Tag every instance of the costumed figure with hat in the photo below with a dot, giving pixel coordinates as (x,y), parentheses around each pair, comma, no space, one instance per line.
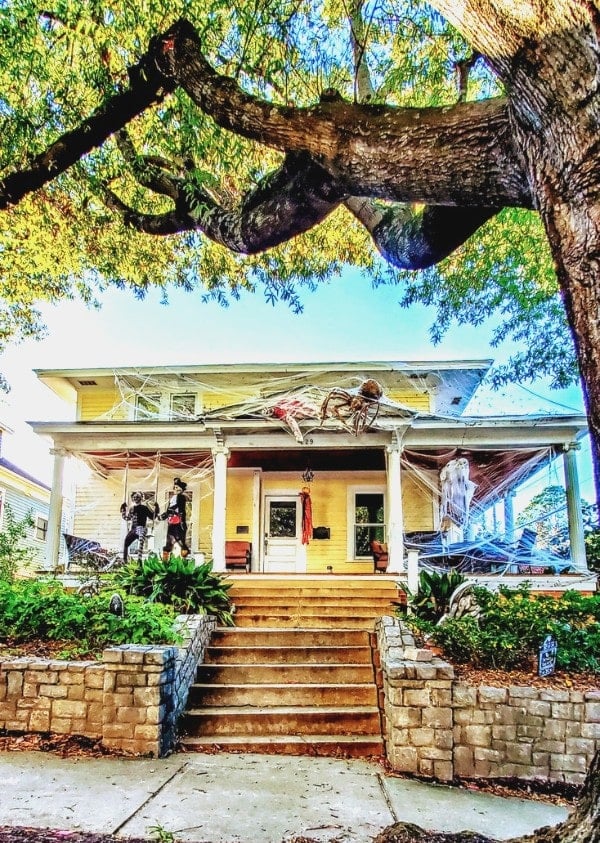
(138,514)
(176,518)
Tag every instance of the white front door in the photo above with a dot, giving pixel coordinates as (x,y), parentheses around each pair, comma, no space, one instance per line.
(283,552)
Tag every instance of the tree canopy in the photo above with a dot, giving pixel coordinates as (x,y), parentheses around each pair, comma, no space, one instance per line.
(73,238)
(269,143)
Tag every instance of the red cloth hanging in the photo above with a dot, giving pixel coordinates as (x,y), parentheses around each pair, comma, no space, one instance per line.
(307,524)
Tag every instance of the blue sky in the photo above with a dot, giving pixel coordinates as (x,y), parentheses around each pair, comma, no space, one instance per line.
(344,320)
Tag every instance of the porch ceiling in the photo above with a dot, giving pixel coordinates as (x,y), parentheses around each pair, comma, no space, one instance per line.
(357,459)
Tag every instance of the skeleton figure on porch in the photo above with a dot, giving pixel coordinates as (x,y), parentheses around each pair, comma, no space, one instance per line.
(176,518)
(355,409)
(138,514)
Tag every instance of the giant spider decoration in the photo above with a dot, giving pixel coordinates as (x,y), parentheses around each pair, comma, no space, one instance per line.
(356,410)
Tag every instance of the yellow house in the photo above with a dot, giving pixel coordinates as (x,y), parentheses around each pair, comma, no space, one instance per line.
(308,463)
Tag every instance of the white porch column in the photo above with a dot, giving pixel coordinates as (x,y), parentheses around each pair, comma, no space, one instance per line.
(395,538)
(219,456)
(55,509)
(509,516)
(574,507)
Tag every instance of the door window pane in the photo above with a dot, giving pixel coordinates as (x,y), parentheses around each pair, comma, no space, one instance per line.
(369,523)
(282,519)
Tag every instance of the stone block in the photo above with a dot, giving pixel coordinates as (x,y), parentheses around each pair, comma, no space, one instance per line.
(420,698)
(541,760)
(573,728)
(405,716)
(443,739)
(464,764)
(60,725)
(145,696)
(504,733)
(592,710)
(134,656)
(518,692)
(590,730)
(119,700)
(554,695)
(404,759)
(519,753)
(440,718)
(441,697)
(118,731)
(426,768)
(75,692)
(532,733)
(554,747)
(492,696)
(131,715)
(14,683)
(69,708)
(481,753)
(539,708)
(562,711)
(554,730)
(94,678)
(111,657)
(53,691)
(421,737)
(39,721)
(146,732)
(580,746)
(130,680)
(417,654)
(568,763)
(443,770)
(425,671)
(478,735)
(435,753)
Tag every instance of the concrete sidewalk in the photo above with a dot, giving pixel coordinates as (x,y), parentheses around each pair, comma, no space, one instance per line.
(245,799)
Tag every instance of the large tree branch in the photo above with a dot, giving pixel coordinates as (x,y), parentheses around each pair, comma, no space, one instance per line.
(417,239)
(456,156)
(147,86)
(293,199)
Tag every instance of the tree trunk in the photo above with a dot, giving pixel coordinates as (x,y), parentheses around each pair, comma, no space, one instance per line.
(582,826)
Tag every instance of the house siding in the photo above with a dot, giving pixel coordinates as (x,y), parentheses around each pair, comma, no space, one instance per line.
(94,403)
(24,501)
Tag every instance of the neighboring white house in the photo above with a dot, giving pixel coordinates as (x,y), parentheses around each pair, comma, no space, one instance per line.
(25,495)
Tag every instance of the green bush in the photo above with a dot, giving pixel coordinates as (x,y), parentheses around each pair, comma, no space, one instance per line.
(433,595)
(13,558)
(32,609)
(179,582)
(514,623)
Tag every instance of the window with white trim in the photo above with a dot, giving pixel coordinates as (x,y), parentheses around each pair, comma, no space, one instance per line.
(40,528)
(147,407)
(183,406)
(367,520)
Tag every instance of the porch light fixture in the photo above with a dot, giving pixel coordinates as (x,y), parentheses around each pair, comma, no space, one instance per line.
(308,474)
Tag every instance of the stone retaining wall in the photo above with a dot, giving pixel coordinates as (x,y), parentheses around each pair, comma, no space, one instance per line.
(130,701)
(436,726)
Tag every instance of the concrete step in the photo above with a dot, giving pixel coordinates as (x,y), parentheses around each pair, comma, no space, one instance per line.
(263,694)
(284,674)
(276,636)
(315,606)
(284,593)
(282,720)
(298,621)
(287,655)
(332,746)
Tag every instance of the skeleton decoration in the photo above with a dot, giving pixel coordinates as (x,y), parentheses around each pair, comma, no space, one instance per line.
(290,410)
(356,409)
(456,492)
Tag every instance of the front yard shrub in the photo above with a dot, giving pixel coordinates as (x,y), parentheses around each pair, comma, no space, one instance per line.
(13,557)
(433,595)
(180,583)
(513,624)
(35,609)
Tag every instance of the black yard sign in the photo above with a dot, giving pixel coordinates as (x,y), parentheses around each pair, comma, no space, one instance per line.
(547,656)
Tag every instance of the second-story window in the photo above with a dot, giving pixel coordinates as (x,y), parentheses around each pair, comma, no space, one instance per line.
(147,407)
(183,406)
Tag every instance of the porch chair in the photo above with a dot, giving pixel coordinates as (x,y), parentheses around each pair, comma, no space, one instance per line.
(238,555)
(380,556)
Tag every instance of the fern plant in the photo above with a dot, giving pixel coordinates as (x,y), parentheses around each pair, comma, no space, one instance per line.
(433,595)
(179,582)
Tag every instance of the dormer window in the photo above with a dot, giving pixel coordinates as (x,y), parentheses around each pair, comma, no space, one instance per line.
(147,407)
(183,406)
